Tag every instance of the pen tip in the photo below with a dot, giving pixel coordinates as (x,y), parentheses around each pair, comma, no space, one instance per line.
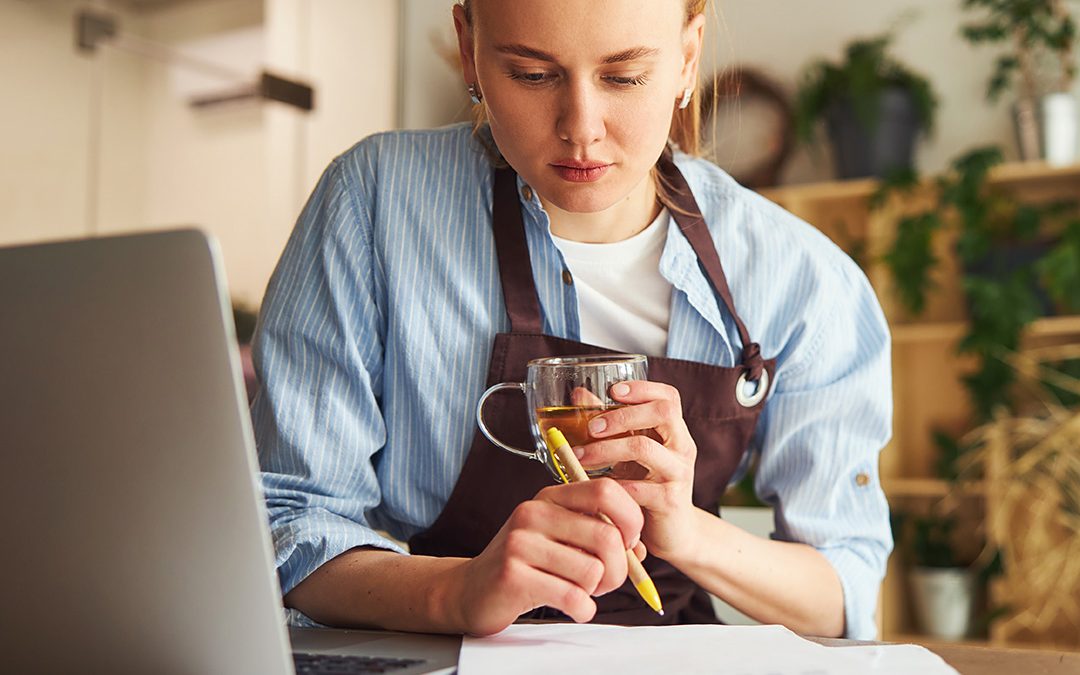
(661,612)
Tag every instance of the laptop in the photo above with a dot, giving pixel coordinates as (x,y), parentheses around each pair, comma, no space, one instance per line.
(135,537)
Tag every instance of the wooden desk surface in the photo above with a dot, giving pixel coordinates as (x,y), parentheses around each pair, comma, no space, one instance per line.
(971,660)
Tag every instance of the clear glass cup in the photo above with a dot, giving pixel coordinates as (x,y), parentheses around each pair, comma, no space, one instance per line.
(566,392)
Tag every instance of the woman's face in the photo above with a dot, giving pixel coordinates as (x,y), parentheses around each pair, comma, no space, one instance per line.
(580,94)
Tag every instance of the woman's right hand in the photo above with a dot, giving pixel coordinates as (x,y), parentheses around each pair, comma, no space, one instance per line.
(552,551)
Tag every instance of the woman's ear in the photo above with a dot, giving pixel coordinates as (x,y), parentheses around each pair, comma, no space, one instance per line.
(693,39)
(465,45)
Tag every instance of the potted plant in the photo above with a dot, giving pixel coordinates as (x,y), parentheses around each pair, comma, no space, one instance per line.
(1041,61)
(1004,253)
(943,588)
(873,107)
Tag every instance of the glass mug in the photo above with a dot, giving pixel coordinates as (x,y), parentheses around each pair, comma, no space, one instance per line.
(566,392)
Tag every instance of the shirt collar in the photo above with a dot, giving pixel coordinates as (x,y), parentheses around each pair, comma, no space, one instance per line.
(679,265)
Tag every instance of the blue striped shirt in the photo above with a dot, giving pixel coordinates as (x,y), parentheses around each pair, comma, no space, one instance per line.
(377,325)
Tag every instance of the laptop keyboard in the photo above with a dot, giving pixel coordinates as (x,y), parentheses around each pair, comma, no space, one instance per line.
(332,664)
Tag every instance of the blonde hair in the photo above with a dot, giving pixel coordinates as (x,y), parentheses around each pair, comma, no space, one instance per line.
(686,122)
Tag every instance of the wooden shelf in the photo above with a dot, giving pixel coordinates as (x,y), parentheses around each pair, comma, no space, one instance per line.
(1013,172)
(1003,174)
(931,642)
(948,331)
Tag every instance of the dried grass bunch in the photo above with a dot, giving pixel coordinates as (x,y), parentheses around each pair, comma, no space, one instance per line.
(1030,463)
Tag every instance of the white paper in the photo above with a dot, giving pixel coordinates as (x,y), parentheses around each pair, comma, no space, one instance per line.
(564,649)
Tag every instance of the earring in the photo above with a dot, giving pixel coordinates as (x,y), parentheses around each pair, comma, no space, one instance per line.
(688,93)
(474,94)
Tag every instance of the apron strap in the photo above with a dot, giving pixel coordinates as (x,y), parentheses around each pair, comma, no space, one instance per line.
(512,250)
(692,224)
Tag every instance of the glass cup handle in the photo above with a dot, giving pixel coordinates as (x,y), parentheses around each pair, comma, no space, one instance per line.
(487,432)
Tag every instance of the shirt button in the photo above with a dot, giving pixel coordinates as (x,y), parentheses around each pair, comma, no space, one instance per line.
(527,193)
(567,278)
(862,480)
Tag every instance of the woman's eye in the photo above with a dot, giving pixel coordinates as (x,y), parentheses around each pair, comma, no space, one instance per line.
(531,78)
(627,81)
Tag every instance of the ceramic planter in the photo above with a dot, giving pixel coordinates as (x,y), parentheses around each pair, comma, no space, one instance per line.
(1060,118)
(862,152)
(944,597)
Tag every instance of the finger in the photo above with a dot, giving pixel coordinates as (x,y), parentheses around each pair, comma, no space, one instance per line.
(662,462)
(583,398)
(555,558)
(664,415)
(640,551)
(642,391)
(601,495)
(570,528)
(543,589)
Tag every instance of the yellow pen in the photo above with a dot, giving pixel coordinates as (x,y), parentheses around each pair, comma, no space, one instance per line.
(565,456)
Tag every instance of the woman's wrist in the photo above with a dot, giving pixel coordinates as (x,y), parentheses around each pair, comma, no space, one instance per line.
(446,601)
(690,552)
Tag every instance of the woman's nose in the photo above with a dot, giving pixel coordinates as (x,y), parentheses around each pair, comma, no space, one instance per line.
(581,115)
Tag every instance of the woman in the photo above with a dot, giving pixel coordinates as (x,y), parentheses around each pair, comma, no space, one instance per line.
(427,263)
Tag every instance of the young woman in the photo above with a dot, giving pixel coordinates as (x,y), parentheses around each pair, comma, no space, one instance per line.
(573,218)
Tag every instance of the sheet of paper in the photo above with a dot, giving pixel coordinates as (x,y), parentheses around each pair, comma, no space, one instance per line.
(564,649)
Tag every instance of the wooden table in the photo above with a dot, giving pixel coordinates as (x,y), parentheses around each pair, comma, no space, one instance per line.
(972,660)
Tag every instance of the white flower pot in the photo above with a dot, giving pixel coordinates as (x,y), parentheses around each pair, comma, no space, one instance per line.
(943,600)
(1060,123)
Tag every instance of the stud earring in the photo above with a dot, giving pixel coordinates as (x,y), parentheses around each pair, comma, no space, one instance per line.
(474,94)
(688,93)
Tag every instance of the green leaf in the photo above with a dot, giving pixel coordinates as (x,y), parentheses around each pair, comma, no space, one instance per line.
(901,180)
(911,259)
(1059,270)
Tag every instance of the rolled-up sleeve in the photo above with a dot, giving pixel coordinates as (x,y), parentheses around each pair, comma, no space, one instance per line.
(318,355)
(820,437)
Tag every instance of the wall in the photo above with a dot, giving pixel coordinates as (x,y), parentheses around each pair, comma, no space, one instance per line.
(245,170)
(349,51)
(204,167)
(108,143)
(50,179)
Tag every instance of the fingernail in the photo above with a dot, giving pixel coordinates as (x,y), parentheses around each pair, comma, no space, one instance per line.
(579,452)
(597,425)
(634,543)
(621,389)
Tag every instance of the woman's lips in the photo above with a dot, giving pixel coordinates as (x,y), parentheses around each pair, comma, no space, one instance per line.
(581,172)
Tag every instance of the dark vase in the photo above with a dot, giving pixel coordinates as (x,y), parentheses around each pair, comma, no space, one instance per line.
(862,152)
(1004,260)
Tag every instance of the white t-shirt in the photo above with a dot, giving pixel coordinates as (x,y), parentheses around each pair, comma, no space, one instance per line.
(624,303)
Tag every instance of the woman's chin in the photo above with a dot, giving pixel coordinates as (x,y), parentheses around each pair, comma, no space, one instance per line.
(581,198)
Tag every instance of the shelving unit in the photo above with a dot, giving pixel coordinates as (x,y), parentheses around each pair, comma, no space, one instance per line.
(927,387)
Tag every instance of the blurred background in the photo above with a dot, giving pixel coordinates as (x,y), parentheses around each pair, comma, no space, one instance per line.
(934,140)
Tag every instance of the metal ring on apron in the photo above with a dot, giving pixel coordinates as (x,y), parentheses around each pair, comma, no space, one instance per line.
(759,393)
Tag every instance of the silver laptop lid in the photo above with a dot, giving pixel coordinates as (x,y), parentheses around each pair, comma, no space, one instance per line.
(134,531)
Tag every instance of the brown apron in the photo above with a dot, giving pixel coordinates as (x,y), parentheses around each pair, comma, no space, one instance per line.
(493,482)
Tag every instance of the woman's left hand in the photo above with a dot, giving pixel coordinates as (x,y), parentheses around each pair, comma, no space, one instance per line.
(655,464)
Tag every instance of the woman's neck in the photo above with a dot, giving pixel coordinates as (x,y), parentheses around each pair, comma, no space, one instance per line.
(620,221)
